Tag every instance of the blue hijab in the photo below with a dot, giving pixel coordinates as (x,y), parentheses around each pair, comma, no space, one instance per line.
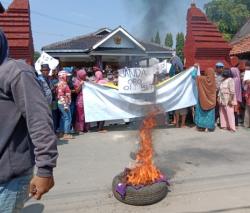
(3,47)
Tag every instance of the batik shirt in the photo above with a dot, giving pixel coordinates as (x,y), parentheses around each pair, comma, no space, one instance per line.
(64,94)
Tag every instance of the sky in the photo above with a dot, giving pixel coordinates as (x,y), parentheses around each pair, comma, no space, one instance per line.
(57,20)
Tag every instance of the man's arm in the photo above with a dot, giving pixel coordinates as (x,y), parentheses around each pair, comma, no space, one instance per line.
(33,106)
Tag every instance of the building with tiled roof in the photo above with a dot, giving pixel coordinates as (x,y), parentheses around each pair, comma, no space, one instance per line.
(241,42)
(204,43)
(15,22)
(106,46)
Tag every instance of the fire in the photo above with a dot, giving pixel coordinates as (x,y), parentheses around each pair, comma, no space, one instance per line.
(144,171)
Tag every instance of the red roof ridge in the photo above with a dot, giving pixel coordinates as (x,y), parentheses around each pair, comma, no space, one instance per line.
(204,43)
(15,22)
(19,5)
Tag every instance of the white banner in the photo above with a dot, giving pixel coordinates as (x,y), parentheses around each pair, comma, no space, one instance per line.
(247,75)
(135,80)
(163,67)
(104,103)
(46,59)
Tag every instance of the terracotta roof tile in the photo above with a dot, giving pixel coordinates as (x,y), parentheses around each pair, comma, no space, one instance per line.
(243,46)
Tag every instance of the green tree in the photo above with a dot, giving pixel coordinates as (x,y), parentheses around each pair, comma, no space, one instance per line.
(244,2)
(229,15)
(157,38)
(180,45)
(169,40)
(36,55)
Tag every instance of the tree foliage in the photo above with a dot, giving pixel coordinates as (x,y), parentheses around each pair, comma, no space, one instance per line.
(157,38)
(229,15)
(36,55)
(180,45)
(244,2)
(169,40)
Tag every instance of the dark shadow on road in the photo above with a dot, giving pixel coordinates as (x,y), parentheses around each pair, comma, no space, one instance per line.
(198,156)
(33,208)
(223,210)
(62,142)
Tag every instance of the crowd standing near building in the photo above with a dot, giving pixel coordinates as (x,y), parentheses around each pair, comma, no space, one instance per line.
(223,97)
(52,104)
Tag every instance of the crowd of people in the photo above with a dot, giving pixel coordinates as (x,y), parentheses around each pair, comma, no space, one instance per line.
(63,92)
(223,97)
(27,131)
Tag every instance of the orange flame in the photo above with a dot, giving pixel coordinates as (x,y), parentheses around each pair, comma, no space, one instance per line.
(144,171)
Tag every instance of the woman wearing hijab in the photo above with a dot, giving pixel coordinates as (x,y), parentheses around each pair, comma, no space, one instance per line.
(80,125)
(205,108)
(227,101)
(64,100)
(99,80)
(238,92)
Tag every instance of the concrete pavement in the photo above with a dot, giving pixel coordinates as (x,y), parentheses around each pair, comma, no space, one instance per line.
(209,172)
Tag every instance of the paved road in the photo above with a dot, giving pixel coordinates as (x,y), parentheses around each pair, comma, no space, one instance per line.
(210,172)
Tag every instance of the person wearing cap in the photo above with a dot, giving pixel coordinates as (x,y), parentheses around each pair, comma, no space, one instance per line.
(64,100)
(45,69)
(227,101)
(219,67)
(27,136)
(44,82)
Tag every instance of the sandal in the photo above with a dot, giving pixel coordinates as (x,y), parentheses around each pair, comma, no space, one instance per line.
(68,137)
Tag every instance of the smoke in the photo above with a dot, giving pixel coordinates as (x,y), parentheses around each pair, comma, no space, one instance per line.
(150,16)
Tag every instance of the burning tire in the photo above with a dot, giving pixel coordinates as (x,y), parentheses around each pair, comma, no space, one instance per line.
(146,195)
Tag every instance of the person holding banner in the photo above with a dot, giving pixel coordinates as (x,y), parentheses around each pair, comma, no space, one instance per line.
(205,108)
(80,125)
(100,80)
(176,68)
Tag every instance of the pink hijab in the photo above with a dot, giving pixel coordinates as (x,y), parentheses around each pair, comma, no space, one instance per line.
(99,78)
(81,75)
(236,77)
